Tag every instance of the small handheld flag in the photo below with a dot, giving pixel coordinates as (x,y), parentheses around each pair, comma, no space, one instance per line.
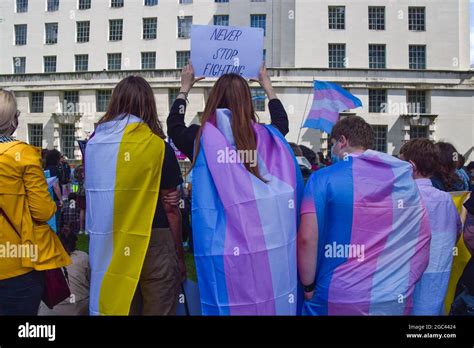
(329,100)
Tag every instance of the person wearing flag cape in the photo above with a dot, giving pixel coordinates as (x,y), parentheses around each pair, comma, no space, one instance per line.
(246,191)
(364,236)
(136,252)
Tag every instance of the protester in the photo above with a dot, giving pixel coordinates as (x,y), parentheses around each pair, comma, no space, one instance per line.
(135,232)
(446,177)
(311,156)
(70,215)
(81,196)
(462,173)
(245,198)
(464,297)
(296,149)
(364,234)
(78,278)
(470,172)
(25,208)
(64,176)
(52,165)
(445,224)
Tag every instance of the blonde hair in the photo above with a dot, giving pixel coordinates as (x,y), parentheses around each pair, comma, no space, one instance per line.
(8,110)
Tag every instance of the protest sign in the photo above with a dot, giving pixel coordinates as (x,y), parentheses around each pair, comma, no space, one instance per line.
(218,50)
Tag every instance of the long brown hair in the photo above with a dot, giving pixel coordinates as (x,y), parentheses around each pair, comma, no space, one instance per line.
(448,163)
(134,96)
(232,92)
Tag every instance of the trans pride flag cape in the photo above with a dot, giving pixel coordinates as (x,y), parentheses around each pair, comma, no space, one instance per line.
(244,229)
(374,236)
(123,173)
(328,101)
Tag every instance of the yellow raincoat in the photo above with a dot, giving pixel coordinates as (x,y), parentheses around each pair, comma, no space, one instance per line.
(25,208)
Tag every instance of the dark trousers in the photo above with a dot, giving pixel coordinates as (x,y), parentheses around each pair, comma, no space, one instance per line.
(21,295)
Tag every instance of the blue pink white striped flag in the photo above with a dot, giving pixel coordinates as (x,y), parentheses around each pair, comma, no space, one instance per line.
(244,229)
(329,100)
(374,236)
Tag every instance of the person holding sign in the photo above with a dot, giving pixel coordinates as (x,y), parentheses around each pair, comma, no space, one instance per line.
(246,190)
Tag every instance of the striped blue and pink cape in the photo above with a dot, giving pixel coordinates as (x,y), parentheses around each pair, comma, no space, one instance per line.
(329,100)
(245,229)
(374,236)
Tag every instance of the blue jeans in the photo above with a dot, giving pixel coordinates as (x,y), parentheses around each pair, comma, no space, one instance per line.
(21,295)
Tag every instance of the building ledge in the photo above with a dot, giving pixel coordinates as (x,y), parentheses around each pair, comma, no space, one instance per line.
(66,117)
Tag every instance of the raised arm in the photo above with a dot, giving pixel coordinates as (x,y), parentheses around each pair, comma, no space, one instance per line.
(181,135)
(278,114)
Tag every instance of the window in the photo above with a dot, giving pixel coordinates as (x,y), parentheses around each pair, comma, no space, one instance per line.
(102,99)
(149,28)
(37,99)
(52,6)
(417,57)
(376,18)
(380,138)
(259,21)
(83,31)
(258,98)
(185,1)
(84,4)
(416,18)
(148,60)
(416,101)
(116,3)
(337,55)
(82,62)
(114,61)
(21,6)
(337,17)
(172,95)
(20,34)
(71,102)
(67,139)
(151,2)
(115,29)
(377,100)
(377,56)
(35,134)
(19,65)
(182,58)
(220,1)
(184,27)
(419,132)
(221,20)
(51,33)
(49,64)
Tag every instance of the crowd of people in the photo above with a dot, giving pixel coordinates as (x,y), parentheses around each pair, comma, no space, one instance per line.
(275,228)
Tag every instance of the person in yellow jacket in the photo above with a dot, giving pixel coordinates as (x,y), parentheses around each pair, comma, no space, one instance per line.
(27,244)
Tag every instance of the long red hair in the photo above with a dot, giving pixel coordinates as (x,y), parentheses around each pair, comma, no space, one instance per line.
(231,91)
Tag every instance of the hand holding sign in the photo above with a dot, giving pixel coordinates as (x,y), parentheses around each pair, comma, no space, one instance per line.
(188,78)
(265,81)
(219,50)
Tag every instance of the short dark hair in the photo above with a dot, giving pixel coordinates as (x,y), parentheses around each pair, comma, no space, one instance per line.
(296,150)
(309,154)
(423,153)
(356,130)
(52,157)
